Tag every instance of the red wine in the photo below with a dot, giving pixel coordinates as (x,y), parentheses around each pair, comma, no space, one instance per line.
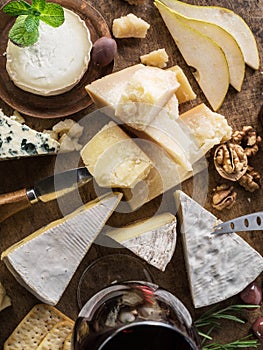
(147,337)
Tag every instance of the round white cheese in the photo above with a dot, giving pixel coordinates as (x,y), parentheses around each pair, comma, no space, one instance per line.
(56,62)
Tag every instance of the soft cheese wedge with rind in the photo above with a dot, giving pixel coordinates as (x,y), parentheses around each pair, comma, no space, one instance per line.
(228,20)
(19,140)
(45,261)
(153,240)
(114,158)
(201,53)
(219,266)
(144,95)
(56,62)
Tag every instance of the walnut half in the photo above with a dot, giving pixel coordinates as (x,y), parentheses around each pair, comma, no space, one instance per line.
(250,180)
(230,161)
(223,197)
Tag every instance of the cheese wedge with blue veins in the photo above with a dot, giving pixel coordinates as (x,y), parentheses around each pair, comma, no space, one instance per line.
(218,266)
(19,140)
(45,261)
(153,239)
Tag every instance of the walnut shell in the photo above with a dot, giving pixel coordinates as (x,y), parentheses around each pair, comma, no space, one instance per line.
(230,161)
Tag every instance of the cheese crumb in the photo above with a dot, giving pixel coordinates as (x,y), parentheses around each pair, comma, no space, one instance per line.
(130,26)
(5,301)
(157,58)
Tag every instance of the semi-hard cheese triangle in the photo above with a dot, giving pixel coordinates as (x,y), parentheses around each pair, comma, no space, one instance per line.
(45,261)
(219,266)
(153,240)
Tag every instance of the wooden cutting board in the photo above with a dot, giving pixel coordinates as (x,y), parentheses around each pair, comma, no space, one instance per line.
(239,108)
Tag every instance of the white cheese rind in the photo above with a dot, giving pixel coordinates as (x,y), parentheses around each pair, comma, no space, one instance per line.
(45,261)
(219,266)
(18,140)
(56,62)
(153,240)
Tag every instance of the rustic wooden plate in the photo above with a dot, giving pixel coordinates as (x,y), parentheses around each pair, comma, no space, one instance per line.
(69,102)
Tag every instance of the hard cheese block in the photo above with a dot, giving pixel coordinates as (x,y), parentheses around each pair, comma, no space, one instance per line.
(153,240)
(18,140)
(219,266)
(206,127)
(45,261)
(114,158)
(165,175)
(107,90)
(144,95)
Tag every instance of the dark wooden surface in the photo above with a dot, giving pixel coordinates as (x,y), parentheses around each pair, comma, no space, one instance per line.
(239,108)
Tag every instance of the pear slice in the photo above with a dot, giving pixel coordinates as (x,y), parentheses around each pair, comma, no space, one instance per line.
(228,20)
(228,44)
(200,52)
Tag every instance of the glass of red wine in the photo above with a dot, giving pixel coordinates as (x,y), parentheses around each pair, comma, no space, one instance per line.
(120,313)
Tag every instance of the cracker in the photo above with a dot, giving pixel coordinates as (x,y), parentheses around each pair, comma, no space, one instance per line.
(55,338)
(67,342)
(34,327)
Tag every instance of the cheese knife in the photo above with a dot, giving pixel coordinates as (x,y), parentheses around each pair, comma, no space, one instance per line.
(249,222)
(44,190)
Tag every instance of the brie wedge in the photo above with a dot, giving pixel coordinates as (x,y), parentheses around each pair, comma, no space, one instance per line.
(56,62)
(219,266)
(153,240)
(45,261)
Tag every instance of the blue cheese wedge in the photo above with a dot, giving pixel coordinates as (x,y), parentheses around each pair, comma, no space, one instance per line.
(45,261)
(56,62)
(19,140)
(153,240)
(219,266)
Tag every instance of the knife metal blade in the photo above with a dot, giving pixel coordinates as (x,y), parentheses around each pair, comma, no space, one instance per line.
(59,184)
(249,222)
(44,190)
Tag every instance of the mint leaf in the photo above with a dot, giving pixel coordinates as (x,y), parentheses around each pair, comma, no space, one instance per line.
(39,4)
(31,23)
(16,8)
(53,15)
(20,36)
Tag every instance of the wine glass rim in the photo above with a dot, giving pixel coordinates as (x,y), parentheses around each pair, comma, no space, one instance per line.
(146,271)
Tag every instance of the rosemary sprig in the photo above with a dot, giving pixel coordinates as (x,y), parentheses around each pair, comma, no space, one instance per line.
(210,320)
(244,343)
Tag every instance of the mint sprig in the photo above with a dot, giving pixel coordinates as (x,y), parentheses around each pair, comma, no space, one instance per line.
(25,29)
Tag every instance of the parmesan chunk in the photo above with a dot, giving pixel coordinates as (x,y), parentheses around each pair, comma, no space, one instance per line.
(144,95)
(157,58)
(130,26)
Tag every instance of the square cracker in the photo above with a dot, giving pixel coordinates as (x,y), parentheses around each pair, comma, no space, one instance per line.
(34,327)
(67,342)
(56,337)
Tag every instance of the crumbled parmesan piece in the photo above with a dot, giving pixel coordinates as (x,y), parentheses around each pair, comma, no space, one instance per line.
(157,58)
(67,132)
(130,26)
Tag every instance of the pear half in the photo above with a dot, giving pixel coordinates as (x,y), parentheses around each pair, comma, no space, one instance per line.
(228,20)
(201,53)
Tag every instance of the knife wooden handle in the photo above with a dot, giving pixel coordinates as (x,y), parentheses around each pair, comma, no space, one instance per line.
(13,202)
